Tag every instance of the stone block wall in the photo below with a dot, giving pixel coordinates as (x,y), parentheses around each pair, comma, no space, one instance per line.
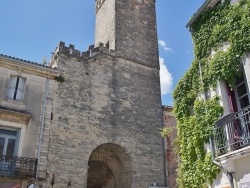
(130,29)
(105,99)
(105,22)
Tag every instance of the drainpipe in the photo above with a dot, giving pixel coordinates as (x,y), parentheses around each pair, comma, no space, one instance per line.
(229,174)
(165,162)
(42,125)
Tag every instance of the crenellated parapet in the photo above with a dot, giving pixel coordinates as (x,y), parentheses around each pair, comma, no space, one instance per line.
(98,4)
(92,51)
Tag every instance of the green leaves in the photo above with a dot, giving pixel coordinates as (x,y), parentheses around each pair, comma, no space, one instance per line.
(214,28)
(165,131)
(196,168)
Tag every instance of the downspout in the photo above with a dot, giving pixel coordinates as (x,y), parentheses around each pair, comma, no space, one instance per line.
(42,125)
(165,162)
(229,174)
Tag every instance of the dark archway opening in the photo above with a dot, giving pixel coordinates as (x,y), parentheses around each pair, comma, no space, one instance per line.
(109,167)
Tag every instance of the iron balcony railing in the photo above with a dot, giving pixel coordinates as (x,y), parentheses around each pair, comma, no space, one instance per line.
(17,167)
(232,132)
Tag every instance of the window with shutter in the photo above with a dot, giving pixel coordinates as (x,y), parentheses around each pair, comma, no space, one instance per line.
(12,86)
(16,88)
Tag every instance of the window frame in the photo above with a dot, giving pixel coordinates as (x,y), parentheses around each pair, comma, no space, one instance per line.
(18,93)
(17,137)
(237,97)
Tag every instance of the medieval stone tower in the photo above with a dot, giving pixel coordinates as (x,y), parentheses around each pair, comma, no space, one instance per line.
(107,110)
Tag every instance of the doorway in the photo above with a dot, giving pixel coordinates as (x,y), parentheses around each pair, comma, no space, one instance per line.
(109,166)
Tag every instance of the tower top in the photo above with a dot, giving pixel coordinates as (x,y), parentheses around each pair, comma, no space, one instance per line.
(129,28)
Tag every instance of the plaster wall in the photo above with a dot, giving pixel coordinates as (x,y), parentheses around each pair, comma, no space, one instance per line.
(235,1)
(242,168)
(32,102)
(32,106)
(221,181)
(221,90)
(246,65)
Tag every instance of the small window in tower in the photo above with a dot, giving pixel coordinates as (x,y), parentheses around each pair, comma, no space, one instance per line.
(16,88)
(107,45)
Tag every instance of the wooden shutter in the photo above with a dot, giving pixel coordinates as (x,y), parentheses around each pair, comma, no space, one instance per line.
(12,86)
(20,89)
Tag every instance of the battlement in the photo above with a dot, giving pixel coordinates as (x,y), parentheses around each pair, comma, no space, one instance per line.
(98,4)
(70,51)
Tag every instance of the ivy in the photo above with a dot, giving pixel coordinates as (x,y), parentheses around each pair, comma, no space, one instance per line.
(213,29)
(60,78)
(165,131)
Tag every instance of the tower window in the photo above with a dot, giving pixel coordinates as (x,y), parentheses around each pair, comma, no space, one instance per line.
(107,45)
(16,88)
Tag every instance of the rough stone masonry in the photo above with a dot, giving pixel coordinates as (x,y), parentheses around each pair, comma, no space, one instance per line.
(107,112)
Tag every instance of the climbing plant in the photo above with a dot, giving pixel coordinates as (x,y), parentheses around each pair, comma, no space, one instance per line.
(217,27)
(165,131)
(60,78)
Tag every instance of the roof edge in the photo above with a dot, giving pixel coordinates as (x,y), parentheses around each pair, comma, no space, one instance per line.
(197,14)
(31,65)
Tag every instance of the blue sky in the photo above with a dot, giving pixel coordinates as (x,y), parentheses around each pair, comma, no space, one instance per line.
(32,29)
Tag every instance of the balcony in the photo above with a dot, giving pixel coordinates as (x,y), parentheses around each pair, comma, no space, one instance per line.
(232,133)
(17,167)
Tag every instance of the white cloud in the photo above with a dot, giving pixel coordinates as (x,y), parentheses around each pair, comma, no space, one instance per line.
(164,46)
(165,77)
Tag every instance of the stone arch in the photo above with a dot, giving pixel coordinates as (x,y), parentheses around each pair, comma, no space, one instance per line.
(109,167)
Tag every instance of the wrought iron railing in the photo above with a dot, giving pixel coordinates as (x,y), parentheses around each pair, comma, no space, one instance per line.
(232,132)
(17,167)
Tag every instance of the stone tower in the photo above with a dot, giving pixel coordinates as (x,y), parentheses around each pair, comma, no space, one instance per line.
(129,27)
(107,111)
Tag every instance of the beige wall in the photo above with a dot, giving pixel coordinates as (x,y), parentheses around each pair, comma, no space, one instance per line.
(242,167)
(32,102)
(25,116)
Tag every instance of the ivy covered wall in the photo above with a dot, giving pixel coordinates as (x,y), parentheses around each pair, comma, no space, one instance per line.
(196,117)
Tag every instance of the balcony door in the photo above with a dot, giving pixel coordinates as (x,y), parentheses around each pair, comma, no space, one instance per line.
(239,133)
(8,142)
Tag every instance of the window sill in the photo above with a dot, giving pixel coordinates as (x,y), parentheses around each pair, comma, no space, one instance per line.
(13,104)
(18,102)
(21,102)
(14,116)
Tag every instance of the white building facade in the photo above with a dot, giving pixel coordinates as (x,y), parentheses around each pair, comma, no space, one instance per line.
(231,141)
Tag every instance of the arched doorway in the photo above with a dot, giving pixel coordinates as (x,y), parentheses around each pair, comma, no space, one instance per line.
(109,167)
